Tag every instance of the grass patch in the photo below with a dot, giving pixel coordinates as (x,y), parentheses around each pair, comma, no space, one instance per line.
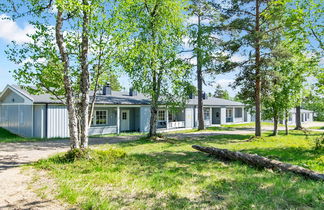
(317,128)
(7,137)
(120,134)
(172,175)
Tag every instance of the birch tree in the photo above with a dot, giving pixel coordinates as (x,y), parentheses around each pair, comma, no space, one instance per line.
(70,50)
(153,32)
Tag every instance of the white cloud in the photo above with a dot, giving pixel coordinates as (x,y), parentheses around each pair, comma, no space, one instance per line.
(11,31)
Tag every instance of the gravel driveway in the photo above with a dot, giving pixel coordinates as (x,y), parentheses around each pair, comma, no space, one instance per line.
(14,192)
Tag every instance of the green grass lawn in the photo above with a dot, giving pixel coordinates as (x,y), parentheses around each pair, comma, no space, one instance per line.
(172,175)
(6,136)
(318,127)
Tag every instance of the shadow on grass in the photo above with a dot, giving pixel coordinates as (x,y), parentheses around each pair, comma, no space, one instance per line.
(188,139)
(166,173)
(285,154)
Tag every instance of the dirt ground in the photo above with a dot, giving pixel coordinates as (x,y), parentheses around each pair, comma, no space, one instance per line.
(14,188)
(14,184)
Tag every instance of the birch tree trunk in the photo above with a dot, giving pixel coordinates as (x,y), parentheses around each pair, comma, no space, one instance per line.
(153,119)
(73,127)
(85,77)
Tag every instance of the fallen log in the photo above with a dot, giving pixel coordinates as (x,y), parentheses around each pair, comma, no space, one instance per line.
(259,161)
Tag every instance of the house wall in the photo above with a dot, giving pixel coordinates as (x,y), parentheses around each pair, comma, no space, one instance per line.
(12,97)
(57,122)
(17,119)
(189,119)
(145,114)
(16,113)
(111,127)
(40,121)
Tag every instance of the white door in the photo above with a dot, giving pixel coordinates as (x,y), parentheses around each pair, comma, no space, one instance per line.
(124,120)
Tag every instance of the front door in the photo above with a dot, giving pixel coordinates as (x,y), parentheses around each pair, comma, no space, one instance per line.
(124,122)
(216,116)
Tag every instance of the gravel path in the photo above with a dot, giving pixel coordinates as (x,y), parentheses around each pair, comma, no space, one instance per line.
(14,192)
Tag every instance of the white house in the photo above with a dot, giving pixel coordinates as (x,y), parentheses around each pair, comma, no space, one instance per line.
(43,117)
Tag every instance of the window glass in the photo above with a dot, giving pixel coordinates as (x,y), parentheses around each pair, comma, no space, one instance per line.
(124,116)
(101,118)
(238,112)
(172,116)
(161,115)
(207,114)
(229,113)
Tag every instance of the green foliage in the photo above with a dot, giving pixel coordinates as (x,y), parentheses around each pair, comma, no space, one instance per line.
(286,79)
(221,93)
(151,33)
(153,175)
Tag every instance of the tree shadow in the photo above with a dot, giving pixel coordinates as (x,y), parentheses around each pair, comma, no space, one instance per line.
(247,187)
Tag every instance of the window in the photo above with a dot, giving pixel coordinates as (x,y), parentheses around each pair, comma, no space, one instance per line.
(100,118)
(161,115)
(207,114)
(238,112)
(172,116)
(124,116)
(229,113)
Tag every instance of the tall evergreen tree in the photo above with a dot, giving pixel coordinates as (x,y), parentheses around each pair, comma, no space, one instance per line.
(205,44)
(57,61)
(247,24)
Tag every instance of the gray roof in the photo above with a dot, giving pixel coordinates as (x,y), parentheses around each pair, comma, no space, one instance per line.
(123,98)
(211,101)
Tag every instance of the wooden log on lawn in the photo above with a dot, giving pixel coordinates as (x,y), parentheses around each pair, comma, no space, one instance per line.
(259,161)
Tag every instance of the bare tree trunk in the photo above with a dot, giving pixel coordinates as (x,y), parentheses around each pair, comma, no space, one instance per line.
(286,122)
(73,129)
(85,78)
(275,125)
(201,124)
(259,161)
(257,73)
(153,119)
(298,119)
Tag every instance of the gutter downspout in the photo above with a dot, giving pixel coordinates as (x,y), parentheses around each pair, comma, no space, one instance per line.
(46,121)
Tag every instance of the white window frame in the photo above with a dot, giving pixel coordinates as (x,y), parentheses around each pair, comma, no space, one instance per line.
(229,113)
(159,115)
(94,118)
